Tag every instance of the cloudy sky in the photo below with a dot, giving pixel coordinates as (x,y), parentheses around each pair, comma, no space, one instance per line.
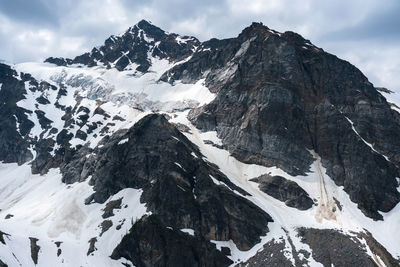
(364,32)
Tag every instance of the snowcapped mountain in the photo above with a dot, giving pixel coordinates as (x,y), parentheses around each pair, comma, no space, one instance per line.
(156,149)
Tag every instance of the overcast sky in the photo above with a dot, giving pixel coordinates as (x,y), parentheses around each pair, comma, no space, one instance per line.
(364,32)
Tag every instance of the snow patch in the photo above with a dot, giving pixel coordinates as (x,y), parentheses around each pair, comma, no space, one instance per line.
(188,231)
(123,141)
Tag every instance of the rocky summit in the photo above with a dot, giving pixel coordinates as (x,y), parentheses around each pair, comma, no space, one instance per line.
(156,149)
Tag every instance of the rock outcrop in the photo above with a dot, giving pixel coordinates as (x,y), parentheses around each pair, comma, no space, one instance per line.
(151,243)
(14,123)
(331,247)
(284,190)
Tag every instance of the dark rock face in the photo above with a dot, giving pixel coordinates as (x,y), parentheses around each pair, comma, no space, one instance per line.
(285,190)
(35,248)
(331,247)
(110,207)
(282,97)
(273,254)
(13,144)
(151,243)
(59,61)
(92,246)
(177,186)
(16,140)
(2,234)
(105,225)
(133,47)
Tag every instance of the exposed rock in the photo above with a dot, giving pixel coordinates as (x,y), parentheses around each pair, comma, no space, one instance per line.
(118,227)
(105,225)
(2,234)
(151,243)
(81,135)
(43,160)
(110,206)
(34,249)
(59,251)
(92,247)
(44,122)
(102,112)
(284,190)
(338,204)
(118,118)
(78,165)
(331,247)
(59,61)
(272,254)
(13,143)
(42,100)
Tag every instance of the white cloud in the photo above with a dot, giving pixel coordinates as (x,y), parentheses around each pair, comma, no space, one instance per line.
(379,64)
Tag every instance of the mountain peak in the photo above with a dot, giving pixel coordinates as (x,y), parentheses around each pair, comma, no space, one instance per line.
(145,23)
(259,29)
(148,28)
(132,49)
(256,29)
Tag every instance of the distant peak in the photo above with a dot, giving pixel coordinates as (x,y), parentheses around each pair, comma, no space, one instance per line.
(256,25)
(148,28)
(256,28)
(144,23)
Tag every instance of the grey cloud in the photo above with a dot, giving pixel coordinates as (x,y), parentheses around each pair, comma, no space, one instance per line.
(381,25)
(37,12)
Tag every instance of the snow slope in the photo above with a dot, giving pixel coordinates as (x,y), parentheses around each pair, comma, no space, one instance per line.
(45,208)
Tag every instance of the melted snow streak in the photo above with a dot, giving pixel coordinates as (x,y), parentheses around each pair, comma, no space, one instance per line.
(43,207)
(325,215)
